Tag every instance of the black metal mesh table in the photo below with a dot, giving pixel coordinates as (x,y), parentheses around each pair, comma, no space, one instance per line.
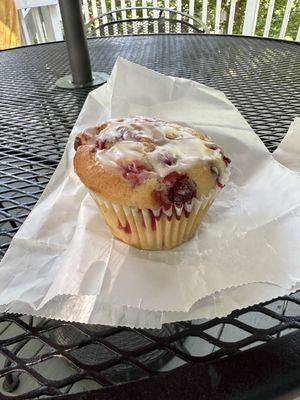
(262,78)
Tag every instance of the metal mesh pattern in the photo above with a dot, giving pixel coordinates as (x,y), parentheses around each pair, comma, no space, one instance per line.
(63,357)
(260,77)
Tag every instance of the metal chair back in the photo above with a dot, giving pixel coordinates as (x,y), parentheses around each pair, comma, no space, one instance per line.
(144,20)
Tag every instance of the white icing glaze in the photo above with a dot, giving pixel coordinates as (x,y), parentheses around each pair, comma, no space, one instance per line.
(170,144)
(188,151)
(224,178)
(122,150)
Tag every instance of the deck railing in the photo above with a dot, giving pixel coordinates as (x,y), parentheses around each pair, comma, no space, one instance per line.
(41,22)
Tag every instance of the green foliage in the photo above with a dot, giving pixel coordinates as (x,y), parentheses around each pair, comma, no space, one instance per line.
(239,17)
(277,19)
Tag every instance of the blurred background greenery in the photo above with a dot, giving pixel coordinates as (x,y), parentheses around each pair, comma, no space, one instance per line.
(277,18)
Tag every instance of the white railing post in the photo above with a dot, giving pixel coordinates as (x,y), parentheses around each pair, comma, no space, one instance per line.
(103,11)
(25,37)
(298,35)
(285,19)
(52,23)
(167,16)
(155,15)
(35,12)
(86,13)
(145,15)
(133,13)
(133,5)
(114,15)
(251,12)
(204,11)
(231,16)
(269,18)
(95,15)
(191,12)
(218,16)
(123,13)
(179,17)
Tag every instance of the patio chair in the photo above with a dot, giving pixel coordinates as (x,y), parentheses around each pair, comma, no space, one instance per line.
(144,20)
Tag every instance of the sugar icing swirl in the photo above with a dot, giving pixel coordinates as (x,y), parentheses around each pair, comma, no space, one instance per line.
(156,146)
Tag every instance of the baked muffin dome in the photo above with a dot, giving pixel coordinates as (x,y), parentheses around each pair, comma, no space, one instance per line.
(149,163)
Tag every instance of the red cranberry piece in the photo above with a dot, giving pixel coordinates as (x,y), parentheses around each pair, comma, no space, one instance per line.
(212,146)
(170,178)
(133,178)
(100,144)
(77,142)
(182,191)
(221,186)
(226,160)
(167,158)
(135,172)
(153,221)
(125,228)
(135,166)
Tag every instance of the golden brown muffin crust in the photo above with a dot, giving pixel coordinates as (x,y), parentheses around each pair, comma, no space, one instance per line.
(147,163)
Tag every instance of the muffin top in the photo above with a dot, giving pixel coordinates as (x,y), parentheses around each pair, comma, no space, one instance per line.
(149,163)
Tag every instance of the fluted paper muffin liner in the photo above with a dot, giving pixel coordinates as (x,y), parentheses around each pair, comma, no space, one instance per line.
(154,229)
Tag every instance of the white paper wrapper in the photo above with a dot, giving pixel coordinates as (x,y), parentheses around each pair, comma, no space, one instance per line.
(63,263)
(171,232)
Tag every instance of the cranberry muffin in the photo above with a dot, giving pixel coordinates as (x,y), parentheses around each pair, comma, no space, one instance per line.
(152,180)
